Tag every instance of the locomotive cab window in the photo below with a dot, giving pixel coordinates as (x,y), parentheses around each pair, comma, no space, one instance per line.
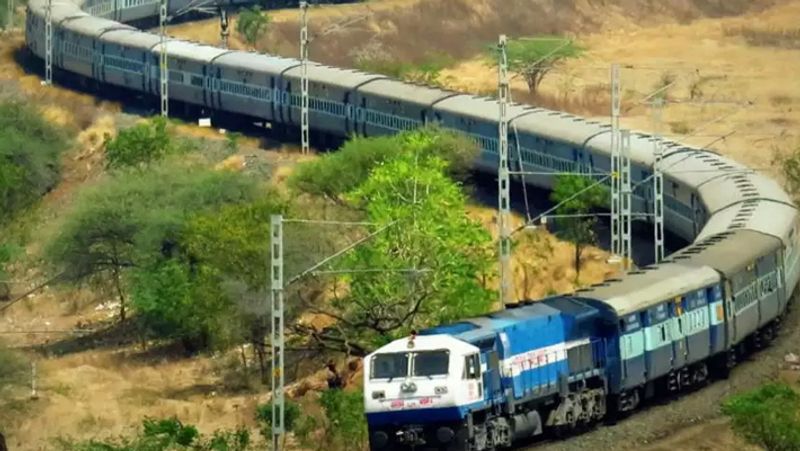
(472,367)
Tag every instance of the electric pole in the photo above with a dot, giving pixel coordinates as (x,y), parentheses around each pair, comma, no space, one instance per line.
(48,33)
(276,300)
(223,27)
(658,183)
(616,237)
(503,188)
(162,61)
(304,123)
(626,192)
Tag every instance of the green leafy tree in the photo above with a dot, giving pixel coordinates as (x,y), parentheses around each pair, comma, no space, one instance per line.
(427,72)
(141,144)
(135,219)
(232,247)
(292,416)
(789,164)
(578,195)
(345,422)
(533,58)
(176,300)
(30,151)
(7,252)
(768,417)
(252,24)
(432,255)
(340,172)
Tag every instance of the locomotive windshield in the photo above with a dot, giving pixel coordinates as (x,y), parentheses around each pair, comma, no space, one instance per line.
(431,363)
(401,364)
(388,366)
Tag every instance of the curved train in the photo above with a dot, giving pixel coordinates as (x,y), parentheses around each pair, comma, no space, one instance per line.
(564,361)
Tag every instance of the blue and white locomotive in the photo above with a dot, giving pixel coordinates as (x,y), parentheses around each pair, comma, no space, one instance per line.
(569,361)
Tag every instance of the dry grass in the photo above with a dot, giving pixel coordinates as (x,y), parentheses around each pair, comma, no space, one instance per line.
(593,100)
(767,37)
(542,264)
(409,29)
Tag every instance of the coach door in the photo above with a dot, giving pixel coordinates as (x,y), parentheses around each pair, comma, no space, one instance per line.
(730,322)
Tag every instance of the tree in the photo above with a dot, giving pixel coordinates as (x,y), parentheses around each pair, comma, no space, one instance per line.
(578,195)
(135,219)
(789,164)
(768,417)
(140,145)
(30,151)
(292,414)
(176,300)
(345,422)
(220,280)
(252,24)
(7,252)
(534,58)
(431,255)
(338,173)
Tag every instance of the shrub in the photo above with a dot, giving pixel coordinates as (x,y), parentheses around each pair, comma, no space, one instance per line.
(135,219)
(165,434)
(30,150)
(252,23)
(13,368)
(141,144)
(264,417)
(341,172)
(768,417)
(346,425)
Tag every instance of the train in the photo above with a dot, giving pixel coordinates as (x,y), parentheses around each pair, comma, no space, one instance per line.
(551,365)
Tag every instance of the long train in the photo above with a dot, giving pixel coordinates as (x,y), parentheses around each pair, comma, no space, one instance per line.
(485,382)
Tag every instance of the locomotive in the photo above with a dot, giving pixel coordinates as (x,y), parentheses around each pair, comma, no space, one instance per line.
(569,361)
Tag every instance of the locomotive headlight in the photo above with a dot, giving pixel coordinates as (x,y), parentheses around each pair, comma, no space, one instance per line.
(440,390)
(380,394)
